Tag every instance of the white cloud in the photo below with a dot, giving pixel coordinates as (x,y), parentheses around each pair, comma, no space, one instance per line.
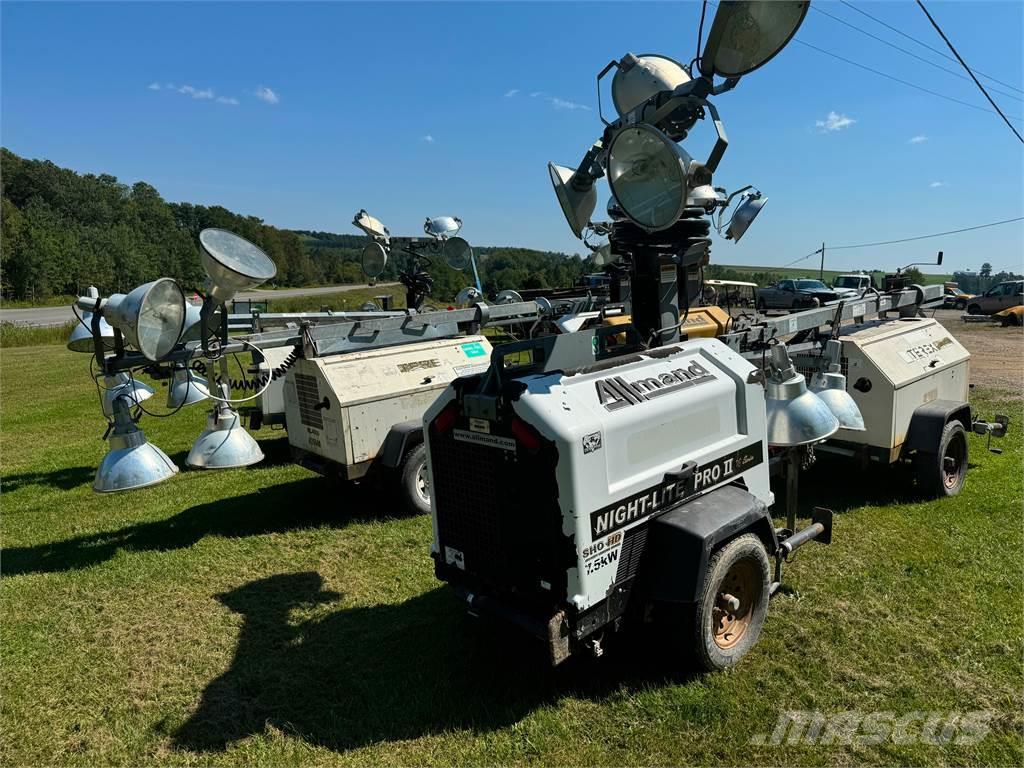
(937,184)
(558,103)
(834,122)
(263,93)
(428,139)
(510,93)
(535,94)
(227,100)
(918,140)
(154,86)
(195,93)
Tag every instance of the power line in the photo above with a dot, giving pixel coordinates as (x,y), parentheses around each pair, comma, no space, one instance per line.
(795,261)
(920,237)
(969,72)
(904,50)
(919,42)
(896,79)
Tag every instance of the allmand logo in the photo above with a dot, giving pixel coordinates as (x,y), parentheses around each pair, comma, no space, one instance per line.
(616,392)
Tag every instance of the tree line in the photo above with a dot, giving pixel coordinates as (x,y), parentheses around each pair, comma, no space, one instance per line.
(63,231)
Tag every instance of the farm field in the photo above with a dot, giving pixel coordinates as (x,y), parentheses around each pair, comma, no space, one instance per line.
(269,616)
(810,270)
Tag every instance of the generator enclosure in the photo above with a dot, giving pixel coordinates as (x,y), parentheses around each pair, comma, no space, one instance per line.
(892,368)
(542,496)
(340,408)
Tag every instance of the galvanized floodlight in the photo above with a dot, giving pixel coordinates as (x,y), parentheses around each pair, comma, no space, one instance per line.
(467,297)
(648,174)
(457,253)
(508,297)
(186,388)
(122,385)
(442,227)
(151,317)
(747,34)
(81,339)
(132,461)
(576,194)
(637,78)
(830,387)
(371,226)
(795,415)
(374,259)
(224,444)
(744,215)
(232,264)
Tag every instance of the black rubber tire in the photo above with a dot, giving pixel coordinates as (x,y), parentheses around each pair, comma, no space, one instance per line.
(973,309)
(934,479)
(411,479)
(707,653)
(762,306)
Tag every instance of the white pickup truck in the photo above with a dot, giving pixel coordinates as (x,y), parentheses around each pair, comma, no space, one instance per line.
(852,286)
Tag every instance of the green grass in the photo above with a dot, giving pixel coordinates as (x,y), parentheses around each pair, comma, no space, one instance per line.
(337,302)
(15,335)
(811,271)
(267,616)
(49,301)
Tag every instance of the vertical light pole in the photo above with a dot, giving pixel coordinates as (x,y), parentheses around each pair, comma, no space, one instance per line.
(821,270)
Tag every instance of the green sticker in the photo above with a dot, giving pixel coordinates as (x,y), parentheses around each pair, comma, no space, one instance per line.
(474,349)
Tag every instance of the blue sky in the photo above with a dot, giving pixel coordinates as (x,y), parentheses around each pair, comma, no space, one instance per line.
(303,113)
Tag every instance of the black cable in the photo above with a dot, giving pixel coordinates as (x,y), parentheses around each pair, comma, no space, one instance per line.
(904,50)
(795,261)
(255,384)
(896,79)
(923,237)
(700,33)
(969,72)
(919,42)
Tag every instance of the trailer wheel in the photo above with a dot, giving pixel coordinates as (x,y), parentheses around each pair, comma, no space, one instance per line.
(731,610)
(414,480)
(943,473)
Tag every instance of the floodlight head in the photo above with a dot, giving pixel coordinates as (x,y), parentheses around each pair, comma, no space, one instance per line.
(648,174)
(457,253)
(467,297)
(194,322)
(232,264)
(747,34)
(224,444)
(132,461)
(637,78)
(744,215)
(186,388)
(121,385)
(830,387)
(442,227)
(508,297)
(374,259)
(795,415)
(576,195)
(151,317)
(371,226)
(81,339)
(603,255)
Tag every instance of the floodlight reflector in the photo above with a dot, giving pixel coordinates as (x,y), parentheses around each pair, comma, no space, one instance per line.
(747,34)
(648,74)
(744,215)
(81,339)
(467,297)
(132,461)
(121,385)
(186,388)
(648,174)
(457,253)
(374,259)
(508,297)
(795,415)
(232,263)
(224,444)
(371,225)
(576,194)
(151,317)
(442,226)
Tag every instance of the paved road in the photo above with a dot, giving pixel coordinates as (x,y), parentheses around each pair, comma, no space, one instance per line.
(61,315)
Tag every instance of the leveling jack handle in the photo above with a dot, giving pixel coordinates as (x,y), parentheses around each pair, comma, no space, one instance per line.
(819,530)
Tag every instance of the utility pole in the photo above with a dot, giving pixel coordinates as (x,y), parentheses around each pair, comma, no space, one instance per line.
(821,271)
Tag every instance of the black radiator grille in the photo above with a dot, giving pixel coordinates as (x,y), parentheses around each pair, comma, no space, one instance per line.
(633,547)
(308,395)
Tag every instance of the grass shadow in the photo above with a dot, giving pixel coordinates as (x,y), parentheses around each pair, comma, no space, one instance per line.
(63,479)
(381,673)
(280,508)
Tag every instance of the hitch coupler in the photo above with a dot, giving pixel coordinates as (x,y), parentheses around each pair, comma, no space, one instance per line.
(819,530)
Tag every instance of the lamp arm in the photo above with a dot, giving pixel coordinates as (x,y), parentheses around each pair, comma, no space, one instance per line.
(721,143)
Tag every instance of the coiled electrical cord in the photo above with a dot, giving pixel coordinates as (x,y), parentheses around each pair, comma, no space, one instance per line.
(258,384)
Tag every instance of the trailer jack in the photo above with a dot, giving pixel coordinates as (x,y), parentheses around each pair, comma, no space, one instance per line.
(995,428)
(819,530)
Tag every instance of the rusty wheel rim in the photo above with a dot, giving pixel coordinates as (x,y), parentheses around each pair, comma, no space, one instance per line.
(953,463)
(735,599)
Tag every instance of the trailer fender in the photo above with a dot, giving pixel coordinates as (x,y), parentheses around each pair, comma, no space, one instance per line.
(681,542)
(400,438)
(928,421)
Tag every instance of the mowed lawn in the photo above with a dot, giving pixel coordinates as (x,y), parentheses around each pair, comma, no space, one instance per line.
(270,616)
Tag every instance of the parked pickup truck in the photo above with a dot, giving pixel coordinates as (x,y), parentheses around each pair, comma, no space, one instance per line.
(852,286)
(795,294)
(997,298)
